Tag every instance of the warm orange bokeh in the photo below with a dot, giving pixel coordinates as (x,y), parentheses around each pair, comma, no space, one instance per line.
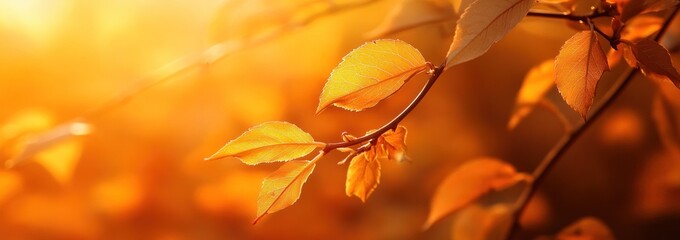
(141,174)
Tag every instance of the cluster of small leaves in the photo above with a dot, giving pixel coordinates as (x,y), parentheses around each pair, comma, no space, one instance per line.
(378,69)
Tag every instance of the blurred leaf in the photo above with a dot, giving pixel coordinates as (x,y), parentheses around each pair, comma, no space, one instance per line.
(484,23)
(283,187)
(631,8)
(666,114)
(269,142)
(537,83)
(655,61)
(469,182)
(588,228)
(10,184)
(392,145)
(363,175)
(578,67)
(371,73)
(410,14)
(476,222)
(641,27)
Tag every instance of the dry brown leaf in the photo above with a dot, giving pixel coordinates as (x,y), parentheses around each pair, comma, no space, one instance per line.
(578,67)
(392,145)
(283,187)
(410,14)
(483,24)
(269,142)
(371,73)
(469,182)
(588,228)
(476,222)
(537,83)
(363,175)
(655,61)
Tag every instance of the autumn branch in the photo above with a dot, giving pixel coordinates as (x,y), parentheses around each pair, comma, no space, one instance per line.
(556,153)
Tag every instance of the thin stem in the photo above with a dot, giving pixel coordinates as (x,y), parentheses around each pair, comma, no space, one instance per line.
(395,122)
(568,16)
(553,156)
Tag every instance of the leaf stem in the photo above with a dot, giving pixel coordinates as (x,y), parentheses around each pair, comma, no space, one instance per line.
(553,156)
(395,122)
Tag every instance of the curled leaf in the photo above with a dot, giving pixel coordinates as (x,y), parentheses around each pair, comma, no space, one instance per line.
(655,61)
(468,183)
(578,68)
(537,83)
(589,228)
(363,175)
(409,14)
(283,187)
(371,73)
(269,142)
(482,24)
(392,144)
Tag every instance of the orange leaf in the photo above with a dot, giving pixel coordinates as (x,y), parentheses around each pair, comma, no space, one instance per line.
(363,175)
(283,188)
(588,228)
(578,67)
(477,222)
(409,14)
(655,61)
(537,83)
(468,183)
(392,144)
(269,142)
(641,27)
(370,74)
(482,24)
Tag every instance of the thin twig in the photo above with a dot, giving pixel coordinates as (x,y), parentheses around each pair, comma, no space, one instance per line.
(395,122)
(549,161)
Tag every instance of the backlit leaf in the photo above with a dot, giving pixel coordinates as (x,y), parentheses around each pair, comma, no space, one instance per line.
(477,222)
(392,144)
(413,13)
(578,68)
(655,61)
(537,83)
(269,142)
(588,228)
(370,74)
(283,188)
(484,23)
(363,175)
(468,183)
(641,27)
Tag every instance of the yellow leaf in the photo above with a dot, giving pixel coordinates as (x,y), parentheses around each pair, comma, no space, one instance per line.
(392,145)
(588,228)
(483,24)
(370,74)
(409,14)
(468,183)
(578,67)
(655,61)
(537,83)
(269,142)
(363,175)
(477,222)
(283,188)
(30,136)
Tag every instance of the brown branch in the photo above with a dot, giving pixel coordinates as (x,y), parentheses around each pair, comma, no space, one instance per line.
(556,153)
(395,122)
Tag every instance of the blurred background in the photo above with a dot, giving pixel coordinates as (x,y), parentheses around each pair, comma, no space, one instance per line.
(141,174)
